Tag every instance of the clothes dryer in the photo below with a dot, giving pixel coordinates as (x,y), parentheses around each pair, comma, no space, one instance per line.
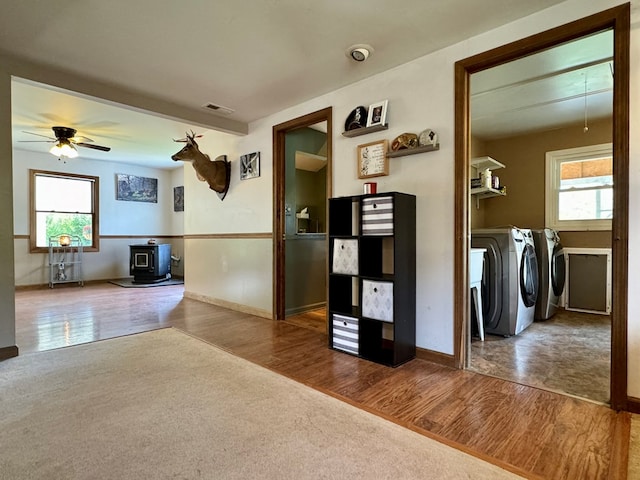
(551,272)
(510,279)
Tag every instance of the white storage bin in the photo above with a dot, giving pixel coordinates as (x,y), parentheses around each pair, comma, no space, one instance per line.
(345,333)
(377,216)
(377,300)
(345,256)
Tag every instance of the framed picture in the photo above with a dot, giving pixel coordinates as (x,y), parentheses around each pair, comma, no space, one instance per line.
(178,199)
(131,188)
(372,159)
(250,166)
(377,114)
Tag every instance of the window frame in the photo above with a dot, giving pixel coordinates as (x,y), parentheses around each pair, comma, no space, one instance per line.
(95,224)
(553,160)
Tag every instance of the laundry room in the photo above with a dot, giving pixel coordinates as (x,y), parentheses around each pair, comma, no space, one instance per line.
(540,215)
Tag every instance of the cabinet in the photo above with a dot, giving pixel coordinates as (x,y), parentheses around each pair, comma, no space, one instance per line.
(150,263)
(372,279)
(65,260)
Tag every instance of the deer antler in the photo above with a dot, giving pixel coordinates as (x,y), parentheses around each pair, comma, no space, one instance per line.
(188,137)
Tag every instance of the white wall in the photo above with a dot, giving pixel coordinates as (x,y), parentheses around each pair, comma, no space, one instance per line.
(233,272)
(118,219)
(421,95)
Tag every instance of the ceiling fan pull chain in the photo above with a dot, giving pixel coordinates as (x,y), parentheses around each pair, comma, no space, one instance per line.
(586,126)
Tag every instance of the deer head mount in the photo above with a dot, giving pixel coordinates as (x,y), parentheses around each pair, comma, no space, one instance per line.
(217,173)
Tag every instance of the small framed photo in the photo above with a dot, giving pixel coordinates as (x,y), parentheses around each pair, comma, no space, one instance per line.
(250,166)
(178,199)
(372,159)
(377,114)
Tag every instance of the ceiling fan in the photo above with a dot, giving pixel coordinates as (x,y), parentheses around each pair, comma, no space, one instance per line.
(66,142)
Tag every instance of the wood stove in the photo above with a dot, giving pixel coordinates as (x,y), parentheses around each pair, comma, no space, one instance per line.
(150,263)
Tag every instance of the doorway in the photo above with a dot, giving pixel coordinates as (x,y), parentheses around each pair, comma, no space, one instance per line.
(616,19)
(293,226)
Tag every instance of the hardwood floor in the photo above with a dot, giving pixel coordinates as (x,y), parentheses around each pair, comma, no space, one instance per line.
(535,433)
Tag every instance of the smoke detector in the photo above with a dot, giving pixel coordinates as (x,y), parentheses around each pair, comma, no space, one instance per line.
(359,52)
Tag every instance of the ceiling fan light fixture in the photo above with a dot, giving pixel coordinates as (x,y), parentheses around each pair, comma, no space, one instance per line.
(56,150)
(64,149)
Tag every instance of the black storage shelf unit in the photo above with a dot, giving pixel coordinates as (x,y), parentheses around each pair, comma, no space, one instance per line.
(372,288)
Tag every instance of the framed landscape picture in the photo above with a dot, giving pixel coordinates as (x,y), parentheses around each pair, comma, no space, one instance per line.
(131,188)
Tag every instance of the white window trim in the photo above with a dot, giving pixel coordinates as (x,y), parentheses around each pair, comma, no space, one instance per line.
(553,160)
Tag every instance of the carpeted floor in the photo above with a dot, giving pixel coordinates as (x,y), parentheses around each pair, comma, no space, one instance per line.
(163,404)
(128,283)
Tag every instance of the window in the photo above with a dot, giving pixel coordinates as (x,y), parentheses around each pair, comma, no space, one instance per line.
(63,203)
(579,190)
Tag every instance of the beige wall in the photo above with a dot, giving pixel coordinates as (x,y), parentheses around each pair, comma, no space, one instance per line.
(524,176)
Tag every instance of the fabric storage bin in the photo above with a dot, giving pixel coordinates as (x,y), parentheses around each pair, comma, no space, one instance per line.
(377,300)
(377,216)
(345,333)
(345,256)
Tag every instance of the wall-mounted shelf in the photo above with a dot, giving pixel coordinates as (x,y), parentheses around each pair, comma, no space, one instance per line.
(364,130)
(482,163)
(413,151)
(484,192)
(479,193)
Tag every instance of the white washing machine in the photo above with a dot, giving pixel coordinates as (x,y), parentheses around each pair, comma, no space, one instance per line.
(551,272)
(510,279)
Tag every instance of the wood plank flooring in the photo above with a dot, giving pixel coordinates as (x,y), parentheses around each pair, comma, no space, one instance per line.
(535,433)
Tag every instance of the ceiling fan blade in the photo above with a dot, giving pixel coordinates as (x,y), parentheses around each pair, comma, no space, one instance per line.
(80,139)
(39,135)
(95,147)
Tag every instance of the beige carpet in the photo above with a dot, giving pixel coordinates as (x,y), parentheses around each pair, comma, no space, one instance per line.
(164,405)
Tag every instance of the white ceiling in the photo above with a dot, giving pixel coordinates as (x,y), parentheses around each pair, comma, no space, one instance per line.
(552,89)
(256,57)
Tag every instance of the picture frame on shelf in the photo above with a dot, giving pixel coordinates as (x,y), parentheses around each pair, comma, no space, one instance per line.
(372,159)
(377,114)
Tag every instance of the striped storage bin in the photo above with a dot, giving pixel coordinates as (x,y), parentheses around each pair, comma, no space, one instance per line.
(377,216)
(345,256)
(377,300)
(345,333)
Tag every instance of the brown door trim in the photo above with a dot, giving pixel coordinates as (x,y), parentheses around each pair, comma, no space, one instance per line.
(617,18)
(279,132)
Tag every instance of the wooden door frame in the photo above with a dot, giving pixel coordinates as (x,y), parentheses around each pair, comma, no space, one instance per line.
(617,18)
(279,168)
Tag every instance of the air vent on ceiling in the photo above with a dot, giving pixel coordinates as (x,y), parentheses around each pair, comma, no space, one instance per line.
(218,109)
